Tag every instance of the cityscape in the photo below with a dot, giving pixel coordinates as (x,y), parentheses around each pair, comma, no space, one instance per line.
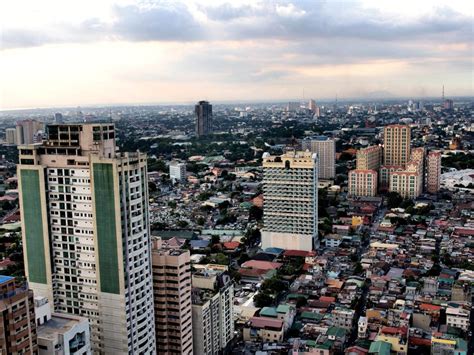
(317,219)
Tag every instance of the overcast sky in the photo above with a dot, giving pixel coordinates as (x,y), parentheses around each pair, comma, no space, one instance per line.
(69,53)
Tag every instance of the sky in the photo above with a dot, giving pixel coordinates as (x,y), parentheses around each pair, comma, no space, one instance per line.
(57,53)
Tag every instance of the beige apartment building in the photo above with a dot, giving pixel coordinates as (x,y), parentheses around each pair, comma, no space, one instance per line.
(85,230)
(369,158)
(172,298)
(290,194)
(433,172)
(325,147)
(17,318)
(363,182)
(396,150)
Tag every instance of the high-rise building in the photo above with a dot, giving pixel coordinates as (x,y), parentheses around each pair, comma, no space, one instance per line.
(326,150)
(290,190)
(172,296)
(313,107)
(203,111)
(86,235)
(212,309)
(60,331)
(17,318)
(362,182)
(178,172)
(433,172)
(58,117)
(448,104)
(10,136)
(369,158)
(396,145)
(27,131)
(293,106)
(408,182)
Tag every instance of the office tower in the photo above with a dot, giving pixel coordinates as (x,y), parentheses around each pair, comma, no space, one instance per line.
(203,111)
(60,331)
(313,107)
(178,172)
(17,318)
(433,172)
(172,296)
(362,182)
(85,230)
(396,145)
(326,150)
(369,158)
(10,136)
(26,131)
(212,309)
(290,192)
(58,118)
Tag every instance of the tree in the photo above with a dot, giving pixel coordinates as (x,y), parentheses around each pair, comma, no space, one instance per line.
(255,213)
(152,186)
(394,199)
(262,299)
(215,239)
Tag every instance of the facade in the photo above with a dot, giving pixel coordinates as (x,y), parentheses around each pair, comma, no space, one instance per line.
(17,318)
(10,136)
(363,182)
(290,192)
(178,172)
(27,131)
(212,310)
(409,184)
(433,172)
(67,333)
(458,318)
(343,317)
(85,230)
(172,299)
(369,158)
(326,150)
(264,329)
(203,111)
(396,149)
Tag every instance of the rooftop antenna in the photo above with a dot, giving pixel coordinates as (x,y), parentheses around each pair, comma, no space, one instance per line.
(442,95)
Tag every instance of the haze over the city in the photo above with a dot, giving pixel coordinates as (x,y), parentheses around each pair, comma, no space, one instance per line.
(60,53)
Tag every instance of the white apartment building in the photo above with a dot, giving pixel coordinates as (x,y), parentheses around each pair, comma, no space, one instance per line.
(290,194)
(177,172)
(458,318)
(212,311)
(85,229)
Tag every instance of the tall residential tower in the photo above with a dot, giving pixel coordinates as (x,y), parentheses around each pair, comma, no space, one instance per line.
(325,147)
(85,229)
(203,111)
(290,192)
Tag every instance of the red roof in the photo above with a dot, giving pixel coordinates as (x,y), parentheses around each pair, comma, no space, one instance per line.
(302,253)
(260,264)
(394,330)
(327,299)
(429,307)
(268,323)
(231,245)
(420,341)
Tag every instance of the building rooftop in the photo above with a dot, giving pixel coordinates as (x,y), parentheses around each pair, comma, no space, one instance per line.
(58,324)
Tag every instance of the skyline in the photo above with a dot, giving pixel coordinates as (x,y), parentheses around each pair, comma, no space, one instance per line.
(128,52)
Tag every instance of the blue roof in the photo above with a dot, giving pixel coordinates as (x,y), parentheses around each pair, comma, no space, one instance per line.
(276,251)
(199,243)
(4,278)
